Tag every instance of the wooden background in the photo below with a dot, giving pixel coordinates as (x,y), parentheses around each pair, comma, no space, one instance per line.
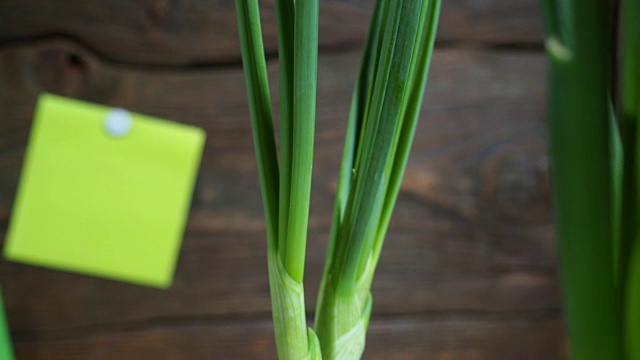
(469,267)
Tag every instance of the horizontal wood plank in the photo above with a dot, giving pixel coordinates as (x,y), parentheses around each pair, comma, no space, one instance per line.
(401,339)
(472,231)
(194,32)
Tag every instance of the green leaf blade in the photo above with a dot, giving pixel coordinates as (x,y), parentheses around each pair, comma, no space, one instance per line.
(286,20)
(580,147)
(418,80)
(379,130)
(304,110)
(255,70)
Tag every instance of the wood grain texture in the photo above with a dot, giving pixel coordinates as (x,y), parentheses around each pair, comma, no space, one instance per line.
(468,270)
(399,339)
(197,32)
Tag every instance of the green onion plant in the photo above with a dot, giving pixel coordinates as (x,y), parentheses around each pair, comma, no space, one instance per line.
(384,111)
(593,103)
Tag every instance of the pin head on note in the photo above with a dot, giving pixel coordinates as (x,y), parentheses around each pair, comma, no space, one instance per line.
(117,123)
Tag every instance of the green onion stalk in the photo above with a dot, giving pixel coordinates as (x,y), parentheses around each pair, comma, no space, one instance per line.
(286,186)
(593,110)
(384,112)
(6,351)
(382,121)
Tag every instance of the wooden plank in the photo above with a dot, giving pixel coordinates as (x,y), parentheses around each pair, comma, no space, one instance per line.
(400,339)
(164,32)
(472,231)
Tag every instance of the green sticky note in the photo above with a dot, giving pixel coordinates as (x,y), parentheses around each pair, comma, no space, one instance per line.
(104,192)
(6,352)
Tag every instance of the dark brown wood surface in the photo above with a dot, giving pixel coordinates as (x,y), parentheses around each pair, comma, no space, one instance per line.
(468,270)
(198,32)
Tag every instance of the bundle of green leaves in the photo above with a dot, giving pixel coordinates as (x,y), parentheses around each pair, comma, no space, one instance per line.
(382,121)
(593,111)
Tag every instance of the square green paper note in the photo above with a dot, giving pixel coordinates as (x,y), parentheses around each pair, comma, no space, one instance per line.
(108,202)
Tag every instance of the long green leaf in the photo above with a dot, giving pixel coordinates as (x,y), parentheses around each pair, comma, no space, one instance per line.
(255,70)
(379,129)
(420,69)
(286,20)
(577,42)
(304,109)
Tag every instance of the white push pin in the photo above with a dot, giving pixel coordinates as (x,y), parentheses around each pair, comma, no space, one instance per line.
(118,122)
